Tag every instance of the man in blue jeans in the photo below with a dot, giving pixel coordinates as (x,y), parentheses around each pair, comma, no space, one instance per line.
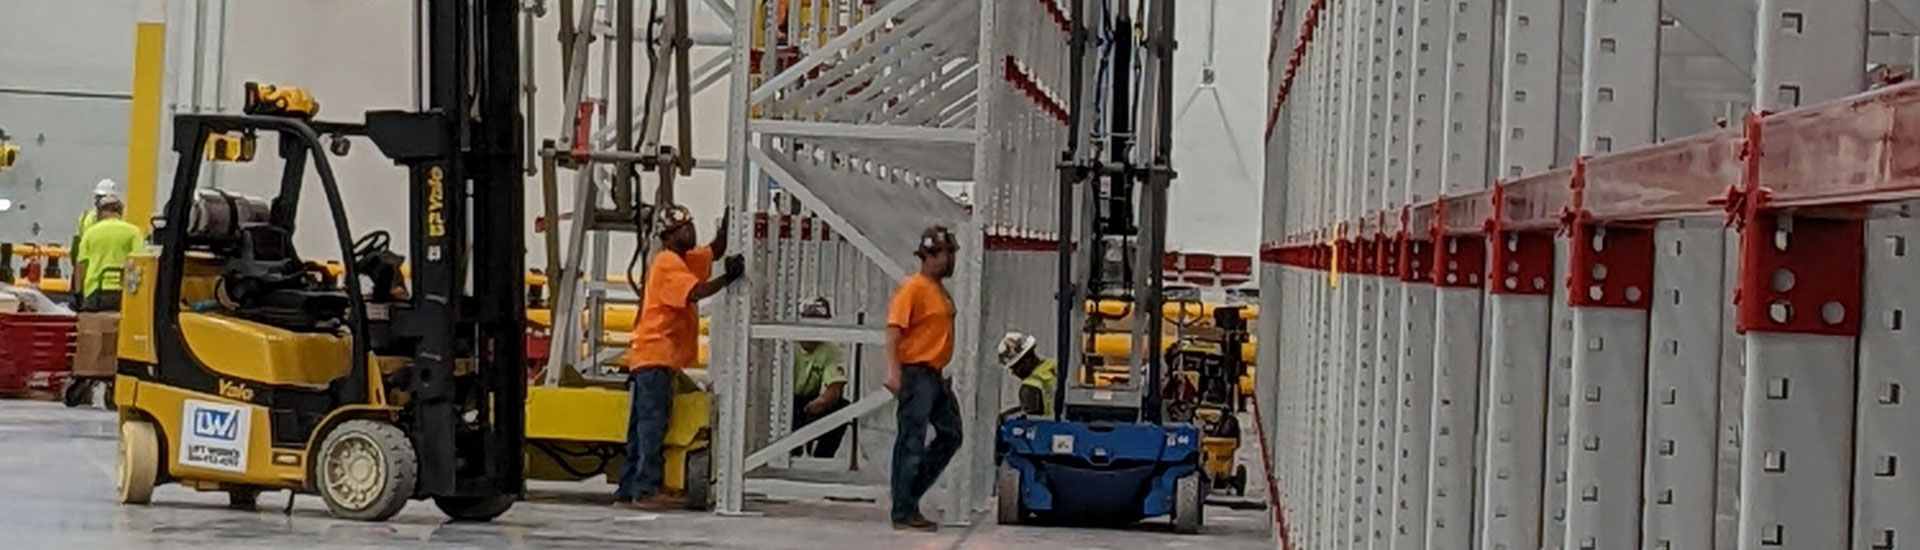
(666,339)
(919,345)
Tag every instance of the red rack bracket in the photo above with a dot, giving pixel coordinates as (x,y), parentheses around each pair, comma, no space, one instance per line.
(1610,266)
(1800,275)
(1522,263)
(1780,255)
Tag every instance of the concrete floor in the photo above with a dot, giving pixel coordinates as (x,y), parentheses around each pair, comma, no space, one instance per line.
(56,491)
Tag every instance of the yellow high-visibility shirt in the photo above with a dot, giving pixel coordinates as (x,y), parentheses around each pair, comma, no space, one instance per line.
(104,248)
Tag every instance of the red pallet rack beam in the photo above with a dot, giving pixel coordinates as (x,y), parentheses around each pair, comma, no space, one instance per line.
(1299,55)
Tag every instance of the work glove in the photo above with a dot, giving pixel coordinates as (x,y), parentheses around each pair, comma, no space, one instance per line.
(735,266)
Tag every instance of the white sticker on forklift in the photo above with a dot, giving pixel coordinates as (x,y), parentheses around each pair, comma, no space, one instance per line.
(1062,444)
(214,437)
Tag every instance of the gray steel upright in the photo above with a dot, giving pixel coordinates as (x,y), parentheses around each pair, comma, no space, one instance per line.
(1883,506)
(1609,363)
(1459,300)
(1517,356)
(1390,195)
(1683,397)
(1796,473)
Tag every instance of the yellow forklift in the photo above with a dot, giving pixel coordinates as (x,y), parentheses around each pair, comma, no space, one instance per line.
(1207,366)
(244,367)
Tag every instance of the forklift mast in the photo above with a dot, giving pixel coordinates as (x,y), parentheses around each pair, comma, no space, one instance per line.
(1124,110)
(467,196)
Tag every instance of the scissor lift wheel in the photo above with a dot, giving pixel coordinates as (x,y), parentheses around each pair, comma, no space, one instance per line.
(1189,504)
(139,461)
(1008,495)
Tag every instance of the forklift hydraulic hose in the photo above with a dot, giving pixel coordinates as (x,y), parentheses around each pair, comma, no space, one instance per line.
(561,461)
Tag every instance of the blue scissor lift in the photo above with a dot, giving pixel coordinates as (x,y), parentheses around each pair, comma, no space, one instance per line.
(1108,456)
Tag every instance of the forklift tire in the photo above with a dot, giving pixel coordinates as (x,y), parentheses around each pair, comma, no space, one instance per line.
(139,461)
(244,498)
(105,393)
(1240,480)
(366,470)
(1189,504)
(475,509)
(1007,491)
(699,483)
(76,394)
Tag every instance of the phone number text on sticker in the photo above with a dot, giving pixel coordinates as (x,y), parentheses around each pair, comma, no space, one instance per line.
(214,437)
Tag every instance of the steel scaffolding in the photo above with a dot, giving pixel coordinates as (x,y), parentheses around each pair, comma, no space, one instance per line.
(1590,275)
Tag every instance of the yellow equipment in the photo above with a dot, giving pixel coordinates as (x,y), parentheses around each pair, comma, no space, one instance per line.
(9,153)
(1208,369)
(231,147)
(283,101)
(244,368)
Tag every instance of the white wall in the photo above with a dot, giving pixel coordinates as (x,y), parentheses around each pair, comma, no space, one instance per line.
(65,77)
(1218,127)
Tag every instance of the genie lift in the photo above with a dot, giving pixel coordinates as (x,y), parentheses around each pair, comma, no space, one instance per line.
(1112,454)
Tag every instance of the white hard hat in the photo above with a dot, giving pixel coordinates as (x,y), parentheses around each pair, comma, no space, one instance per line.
(1014,346)
(106,187)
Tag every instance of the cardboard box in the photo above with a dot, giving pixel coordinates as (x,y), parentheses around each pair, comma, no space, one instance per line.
(96,351)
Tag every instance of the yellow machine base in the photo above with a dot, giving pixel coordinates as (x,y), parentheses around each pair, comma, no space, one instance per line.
(577,433)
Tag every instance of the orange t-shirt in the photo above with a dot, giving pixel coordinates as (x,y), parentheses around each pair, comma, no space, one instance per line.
(924,314)
(667,334)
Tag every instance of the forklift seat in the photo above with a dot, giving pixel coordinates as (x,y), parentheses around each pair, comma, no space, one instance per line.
(268,283)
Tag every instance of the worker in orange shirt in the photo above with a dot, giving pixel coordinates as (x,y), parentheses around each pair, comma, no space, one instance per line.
(666,339)
(919,344)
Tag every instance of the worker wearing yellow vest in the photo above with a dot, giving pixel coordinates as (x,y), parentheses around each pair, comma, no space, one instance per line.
(1036,375)
(104,191)
(101,258)
(819,383)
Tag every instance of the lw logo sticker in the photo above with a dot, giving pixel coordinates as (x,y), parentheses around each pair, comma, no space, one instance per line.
(214,437)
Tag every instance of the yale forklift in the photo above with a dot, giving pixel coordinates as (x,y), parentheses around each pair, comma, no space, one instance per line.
(245,367)
(1116,450)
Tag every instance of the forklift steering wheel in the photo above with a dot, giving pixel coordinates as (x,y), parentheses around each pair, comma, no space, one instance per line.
(371,244)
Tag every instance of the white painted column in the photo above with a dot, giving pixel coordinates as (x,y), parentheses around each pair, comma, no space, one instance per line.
(1610,315)
(1683,384)
(1796,469)
(1884,482)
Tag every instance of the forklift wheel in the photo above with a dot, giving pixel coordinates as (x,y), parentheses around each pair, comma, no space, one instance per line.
(366,470)
(1240,480)
(1007,489)
(243,498)
(1189,504)
(475,509)
(699,482)
(139,461)
(76,393)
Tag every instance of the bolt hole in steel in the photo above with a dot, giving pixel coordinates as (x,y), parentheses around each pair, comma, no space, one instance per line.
(1780,312)
(1633,294)
(1781,237)
(1539,283)
(1782,280)
(1513,283)
(354,472)
(1513,244)
(1513,267)
(1594,292)
(1599,272)
(1833,313)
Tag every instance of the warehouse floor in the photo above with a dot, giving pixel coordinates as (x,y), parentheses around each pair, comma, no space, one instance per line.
(56,491)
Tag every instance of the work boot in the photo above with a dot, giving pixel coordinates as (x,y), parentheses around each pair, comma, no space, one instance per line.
(917,523)
(659,502)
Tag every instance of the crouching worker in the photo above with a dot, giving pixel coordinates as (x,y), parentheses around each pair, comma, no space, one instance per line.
(666,339)
(819,384)
(1036,375)
(1018,356)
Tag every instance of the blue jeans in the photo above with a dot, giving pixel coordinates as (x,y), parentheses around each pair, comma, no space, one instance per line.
(645,466)
(924,400)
